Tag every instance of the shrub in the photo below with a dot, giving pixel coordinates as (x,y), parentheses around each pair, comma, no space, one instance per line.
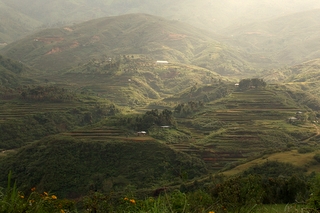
(305,149)
(314,201)
(317,157)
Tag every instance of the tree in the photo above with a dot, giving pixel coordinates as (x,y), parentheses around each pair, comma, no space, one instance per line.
(248,83)
(314,201)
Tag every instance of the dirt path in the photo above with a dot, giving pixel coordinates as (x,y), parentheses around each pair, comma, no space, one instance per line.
(317,134)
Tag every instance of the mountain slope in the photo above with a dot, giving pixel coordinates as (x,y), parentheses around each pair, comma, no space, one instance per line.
(286,40)
(13,73)
(14,24)
(205,13)
(158,38)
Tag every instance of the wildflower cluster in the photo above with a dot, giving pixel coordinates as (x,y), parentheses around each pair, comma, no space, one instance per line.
(132,201)
(15,201)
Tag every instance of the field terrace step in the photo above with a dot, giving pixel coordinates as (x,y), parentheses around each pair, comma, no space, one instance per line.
(216,160)
(106,133)
(185,148)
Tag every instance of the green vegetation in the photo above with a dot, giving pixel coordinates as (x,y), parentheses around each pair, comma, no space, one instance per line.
(12,74)
(146,121)
(151,36)
(70,167)
(107,126)
(255,83)
(246,193)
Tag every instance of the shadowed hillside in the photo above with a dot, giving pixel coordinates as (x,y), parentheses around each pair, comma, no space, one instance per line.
(72,167)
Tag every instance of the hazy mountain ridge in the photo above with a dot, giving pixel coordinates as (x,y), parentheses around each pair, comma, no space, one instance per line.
(213,15)
(286,40)
(304,72)
(153,36)
(14,24)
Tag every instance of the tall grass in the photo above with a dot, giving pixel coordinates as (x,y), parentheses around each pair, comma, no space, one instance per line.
(14,201)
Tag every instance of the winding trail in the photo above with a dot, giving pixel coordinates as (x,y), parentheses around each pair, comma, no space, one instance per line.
(317,134)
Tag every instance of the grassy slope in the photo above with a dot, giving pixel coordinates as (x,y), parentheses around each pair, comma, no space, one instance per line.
(305,161)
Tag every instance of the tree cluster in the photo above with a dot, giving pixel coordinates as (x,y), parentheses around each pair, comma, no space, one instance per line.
(47,93)
(252,83)
(186,109)
(13,66)
(149,119)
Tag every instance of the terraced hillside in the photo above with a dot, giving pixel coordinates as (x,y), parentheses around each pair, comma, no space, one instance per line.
(131,80)
(23,121)
(105,133)
(246,124)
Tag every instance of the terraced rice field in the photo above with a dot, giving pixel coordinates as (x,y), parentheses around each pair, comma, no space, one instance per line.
(247,118)
(214,159)
(115,88)
(12,110)
(107,133)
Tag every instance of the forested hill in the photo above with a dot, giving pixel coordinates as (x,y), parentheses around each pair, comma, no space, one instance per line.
(71,167)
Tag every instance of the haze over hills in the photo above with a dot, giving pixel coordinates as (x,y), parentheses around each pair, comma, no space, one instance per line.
(286,40)
(266,33)
(208,14)
(123,103)
(14,24)
(152,36)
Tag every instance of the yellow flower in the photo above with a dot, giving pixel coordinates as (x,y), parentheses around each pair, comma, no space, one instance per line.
(62,211)
(125,198)
(45,193)
(211,212)
(21,196)
(54,197)
(132,201)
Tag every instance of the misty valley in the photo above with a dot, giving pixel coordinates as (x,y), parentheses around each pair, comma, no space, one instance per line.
(142,106)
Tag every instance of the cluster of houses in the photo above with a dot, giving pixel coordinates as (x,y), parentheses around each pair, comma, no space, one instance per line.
(298,117)
(143,133)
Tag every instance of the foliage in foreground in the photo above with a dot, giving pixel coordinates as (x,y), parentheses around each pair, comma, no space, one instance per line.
(235,194)
(70,167)
(14,201)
